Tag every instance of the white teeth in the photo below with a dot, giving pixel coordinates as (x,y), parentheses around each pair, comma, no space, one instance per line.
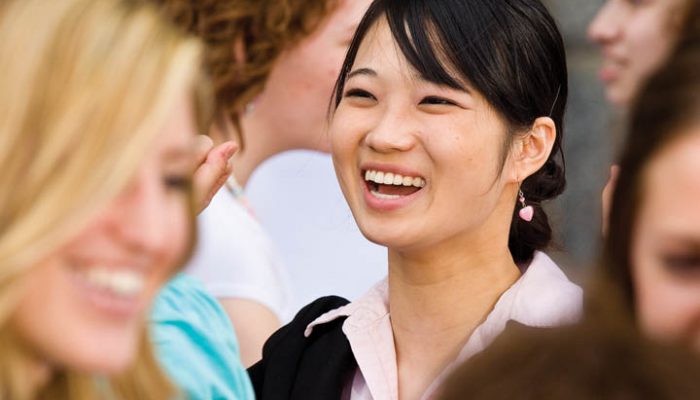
(379,177)
(384,196)
(123,283)
(390,178)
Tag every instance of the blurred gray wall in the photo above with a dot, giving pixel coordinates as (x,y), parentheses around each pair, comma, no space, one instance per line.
(588,141)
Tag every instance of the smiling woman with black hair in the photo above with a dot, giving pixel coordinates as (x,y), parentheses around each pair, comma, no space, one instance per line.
(446,134)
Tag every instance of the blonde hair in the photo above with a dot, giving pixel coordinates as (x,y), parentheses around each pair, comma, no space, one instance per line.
(86,85)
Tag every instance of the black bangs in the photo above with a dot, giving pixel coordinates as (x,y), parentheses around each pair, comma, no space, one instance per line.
(414,29)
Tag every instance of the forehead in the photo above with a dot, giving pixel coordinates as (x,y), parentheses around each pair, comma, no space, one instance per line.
(381,50)
(671,194)
(177,134)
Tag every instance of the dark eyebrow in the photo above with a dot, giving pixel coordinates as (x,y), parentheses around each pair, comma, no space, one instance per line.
(362,71)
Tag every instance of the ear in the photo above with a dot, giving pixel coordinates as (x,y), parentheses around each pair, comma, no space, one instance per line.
(532,149)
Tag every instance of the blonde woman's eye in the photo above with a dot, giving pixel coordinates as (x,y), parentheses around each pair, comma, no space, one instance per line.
(177,182)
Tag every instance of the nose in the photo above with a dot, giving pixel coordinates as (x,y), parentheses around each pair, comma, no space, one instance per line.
(606,26)
(395,131)
(139,215)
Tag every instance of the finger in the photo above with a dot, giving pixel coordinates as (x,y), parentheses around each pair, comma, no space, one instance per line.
(212,173)
(203,145)
(614,174)
(607,197)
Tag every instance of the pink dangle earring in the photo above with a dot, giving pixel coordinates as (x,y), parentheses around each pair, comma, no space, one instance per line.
(526,212)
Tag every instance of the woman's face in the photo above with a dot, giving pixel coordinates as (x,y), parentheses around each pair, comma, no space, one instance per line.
(417,162)
(85,303)
(299,88)
(666,244)
(635,37)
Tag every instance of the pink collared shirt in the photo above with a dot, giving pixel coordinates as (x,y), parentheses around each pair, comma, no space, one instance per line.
(541,297)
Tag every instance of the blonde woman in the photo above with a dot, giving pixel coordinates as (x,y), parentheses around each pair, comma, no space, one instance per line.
(97,123)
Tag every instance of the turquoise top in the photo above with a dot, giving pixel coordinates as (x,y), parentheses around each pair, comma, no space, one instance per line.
(196,344)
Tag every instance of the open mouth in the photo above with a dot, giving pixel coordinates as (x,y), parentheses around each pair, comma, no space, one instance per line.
(115,291)
(387,185)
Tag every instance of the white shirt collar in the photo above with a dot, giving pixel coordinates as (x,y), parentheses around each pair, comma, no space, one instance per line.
(542,296)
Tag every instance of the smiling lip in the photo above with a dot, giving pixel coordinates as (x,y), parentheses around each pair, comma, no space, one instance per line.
(380,204)
(105,300)
(608,73)
(388,204)
(394,169)
(612,66)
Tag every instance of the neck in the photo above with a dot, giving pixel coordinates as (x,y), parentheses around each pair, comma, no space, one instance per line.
(454,281)
(260,142)
(436,291)
(438,296)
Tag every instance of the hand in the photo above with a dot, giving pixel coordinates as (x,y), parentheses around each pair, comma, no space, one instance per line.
(607,196)
(213,168)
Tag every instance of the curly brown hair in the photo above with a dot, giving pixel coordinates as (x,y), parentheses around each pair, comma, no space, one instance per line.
(244,39)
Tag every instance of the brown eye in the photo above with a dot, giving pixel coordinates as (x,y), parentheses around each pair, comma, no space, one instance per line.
(359,93)
(177,182)
(682,264)
(439,101)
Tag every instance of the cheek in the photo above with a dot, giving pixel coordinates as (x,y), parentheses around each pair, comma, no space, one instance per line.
(53,320)
(471,158)
(650,39)
(668,307)
(346,131)
(179,232)
(312,71)
(344,144)
(654,297)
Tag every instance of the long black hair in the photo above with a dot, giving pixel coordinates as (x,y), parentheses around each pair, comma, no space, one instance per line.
(667,105)
(512,53)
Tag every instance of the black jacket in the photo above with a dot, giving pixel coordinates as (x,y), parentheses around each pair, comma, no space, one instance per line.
(314,368)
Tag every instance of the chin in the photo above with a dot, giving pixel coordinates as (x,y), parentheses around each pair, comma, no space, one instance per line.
(618,97)
(106,357)
(389,238)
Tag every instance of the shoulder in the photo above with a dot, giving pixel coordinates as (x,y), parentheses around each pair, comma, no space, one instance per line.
(249,269)
(294,331)
(195,342)
(296,366)
(545,296)
(185,297)
(184,314)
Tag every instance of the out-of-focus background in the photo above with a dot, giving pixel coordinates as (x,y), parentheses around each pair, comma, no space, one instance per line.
(592,135)
(326,254)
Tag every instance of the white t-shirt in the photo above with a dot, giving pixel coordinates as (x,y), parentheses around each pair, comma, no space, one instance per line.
(234,257)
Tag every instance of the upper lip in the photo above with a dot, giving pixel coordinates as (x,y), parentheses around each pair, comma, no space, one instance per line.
(131,264)
(611,56)
(392,168)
